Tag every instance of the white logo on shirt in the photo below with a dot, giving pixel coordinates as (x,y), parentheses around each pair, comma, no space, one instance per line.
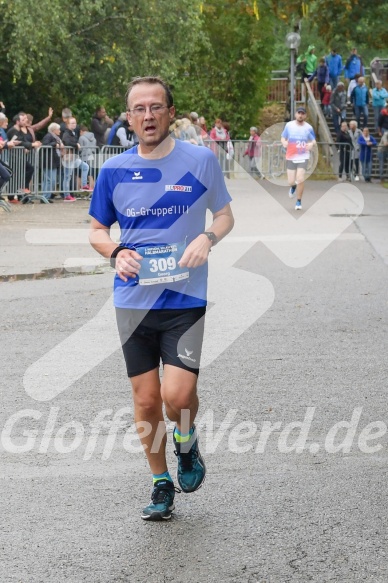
(137,176)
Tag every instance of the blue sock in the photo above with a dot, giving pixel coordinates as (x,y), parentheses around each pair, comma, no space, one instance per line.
(165,476)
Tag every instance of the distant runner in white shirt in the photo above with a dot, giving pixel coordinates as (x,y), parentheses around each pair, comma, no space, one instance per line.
(298,139)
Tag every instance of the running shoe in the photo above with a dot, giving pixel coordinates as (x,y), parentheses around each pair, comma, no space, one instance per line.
(191,467)
(162,501)
(298,205)
(69,199)
(291,192)
(87,188)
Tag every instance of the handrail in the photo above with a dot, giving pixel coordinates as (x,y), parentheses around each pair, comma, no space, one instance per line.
(330,151)
(320,120)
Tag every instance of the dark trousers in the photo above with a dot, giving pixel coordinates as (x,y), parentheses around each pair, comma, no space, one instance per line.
(5,175)
(29,173)
(344,161)
(355,166)
(320,89)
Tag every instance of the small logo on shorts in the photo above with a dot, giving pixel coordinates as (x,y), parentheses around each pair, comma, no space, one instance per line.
(187,356)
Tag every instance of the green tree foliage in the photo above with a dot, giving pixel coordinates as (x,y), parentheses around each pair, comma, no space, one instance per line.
(79,53)
(215,53)
(341,22)
(82,52)
(228,77)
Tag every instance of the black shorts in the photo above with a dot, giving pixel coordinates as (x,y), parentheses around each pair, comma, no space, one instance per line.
(290,165)
(148,336)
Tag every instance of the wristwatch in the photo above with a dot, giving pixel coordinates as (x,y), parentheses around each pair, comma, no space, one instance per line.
(115,252)
(211,236)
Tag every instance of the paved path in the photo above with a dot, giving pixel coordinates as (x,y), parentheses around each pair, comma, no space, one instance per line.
(311,351)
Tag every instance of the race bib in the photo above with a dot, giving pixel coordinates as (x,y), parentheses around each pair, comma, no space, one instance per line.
(160,264)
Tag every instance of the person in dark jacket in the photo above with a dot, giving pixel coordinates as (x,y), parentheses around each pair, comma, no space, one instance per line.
(52,147)
(100,123)
(322,75)
(117,124)
(345,142)
(71,160)
(20,133)
(338,105)
(125,136)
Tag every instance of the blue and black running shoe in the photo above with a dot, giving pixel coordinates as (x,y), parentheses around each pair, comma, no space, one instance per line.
(291,192)
(191,467)
(162,501)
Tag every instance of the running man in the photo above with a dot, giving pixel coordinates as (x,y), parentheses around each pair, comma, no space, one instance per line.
(299,139)
(159,192)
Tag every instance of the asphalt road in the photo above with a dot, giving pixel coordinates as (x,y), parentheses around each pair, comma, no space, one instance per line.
(303,345)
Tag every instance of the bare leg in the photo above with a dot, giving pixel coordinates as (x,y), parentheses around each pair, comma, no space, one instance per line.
(300,173)
(291,177)
(148,408)
(179,394)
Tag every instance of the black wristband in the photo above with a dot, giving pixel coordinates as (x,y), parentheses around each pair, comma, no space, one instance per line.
(115,252)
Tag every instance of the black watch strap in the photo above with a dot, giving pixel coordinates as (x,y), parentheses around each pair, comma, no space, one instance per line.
(211,236)
(115,252)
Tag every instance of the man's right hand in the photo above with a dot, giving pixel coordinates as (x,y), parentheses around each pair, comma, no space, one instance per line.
(127,264)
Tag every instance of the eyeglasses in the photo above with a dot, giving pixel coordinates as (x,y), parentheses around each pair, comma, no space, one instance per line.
(154,109)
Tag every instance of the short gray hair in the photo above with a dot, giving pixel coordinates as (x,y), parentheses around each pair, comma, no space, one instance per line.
(3,116)
(54,126)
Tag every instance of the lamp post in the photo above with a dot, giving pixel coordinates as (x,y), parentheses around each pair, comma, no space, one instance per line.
(292,42)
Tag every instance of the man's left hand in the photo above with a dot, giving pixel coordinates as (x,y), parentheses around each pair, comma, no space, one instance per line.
(196,253)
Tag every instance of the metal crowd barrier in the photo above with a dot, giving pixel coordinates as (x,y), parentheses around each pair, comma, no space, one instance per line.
(43,175)
(325,161)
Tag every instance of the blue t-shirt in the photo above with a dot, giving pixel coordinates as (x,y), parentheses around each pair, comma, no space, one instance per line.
(161,207)
(298,136)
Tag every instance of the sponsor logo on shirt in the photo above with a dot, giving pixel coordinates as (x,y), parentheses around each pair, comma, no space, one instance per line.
(175,209)
(137,176)
(178,187)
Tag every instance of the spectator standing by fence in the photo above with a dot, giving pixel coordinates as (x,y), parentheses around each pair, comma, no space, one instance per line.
(20,133)
(355,133)
(345,150)
(88,144)
(72,161)
(117,124)
(366,142)
(100,123)
(32,128)
(253,150)
(51,160)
